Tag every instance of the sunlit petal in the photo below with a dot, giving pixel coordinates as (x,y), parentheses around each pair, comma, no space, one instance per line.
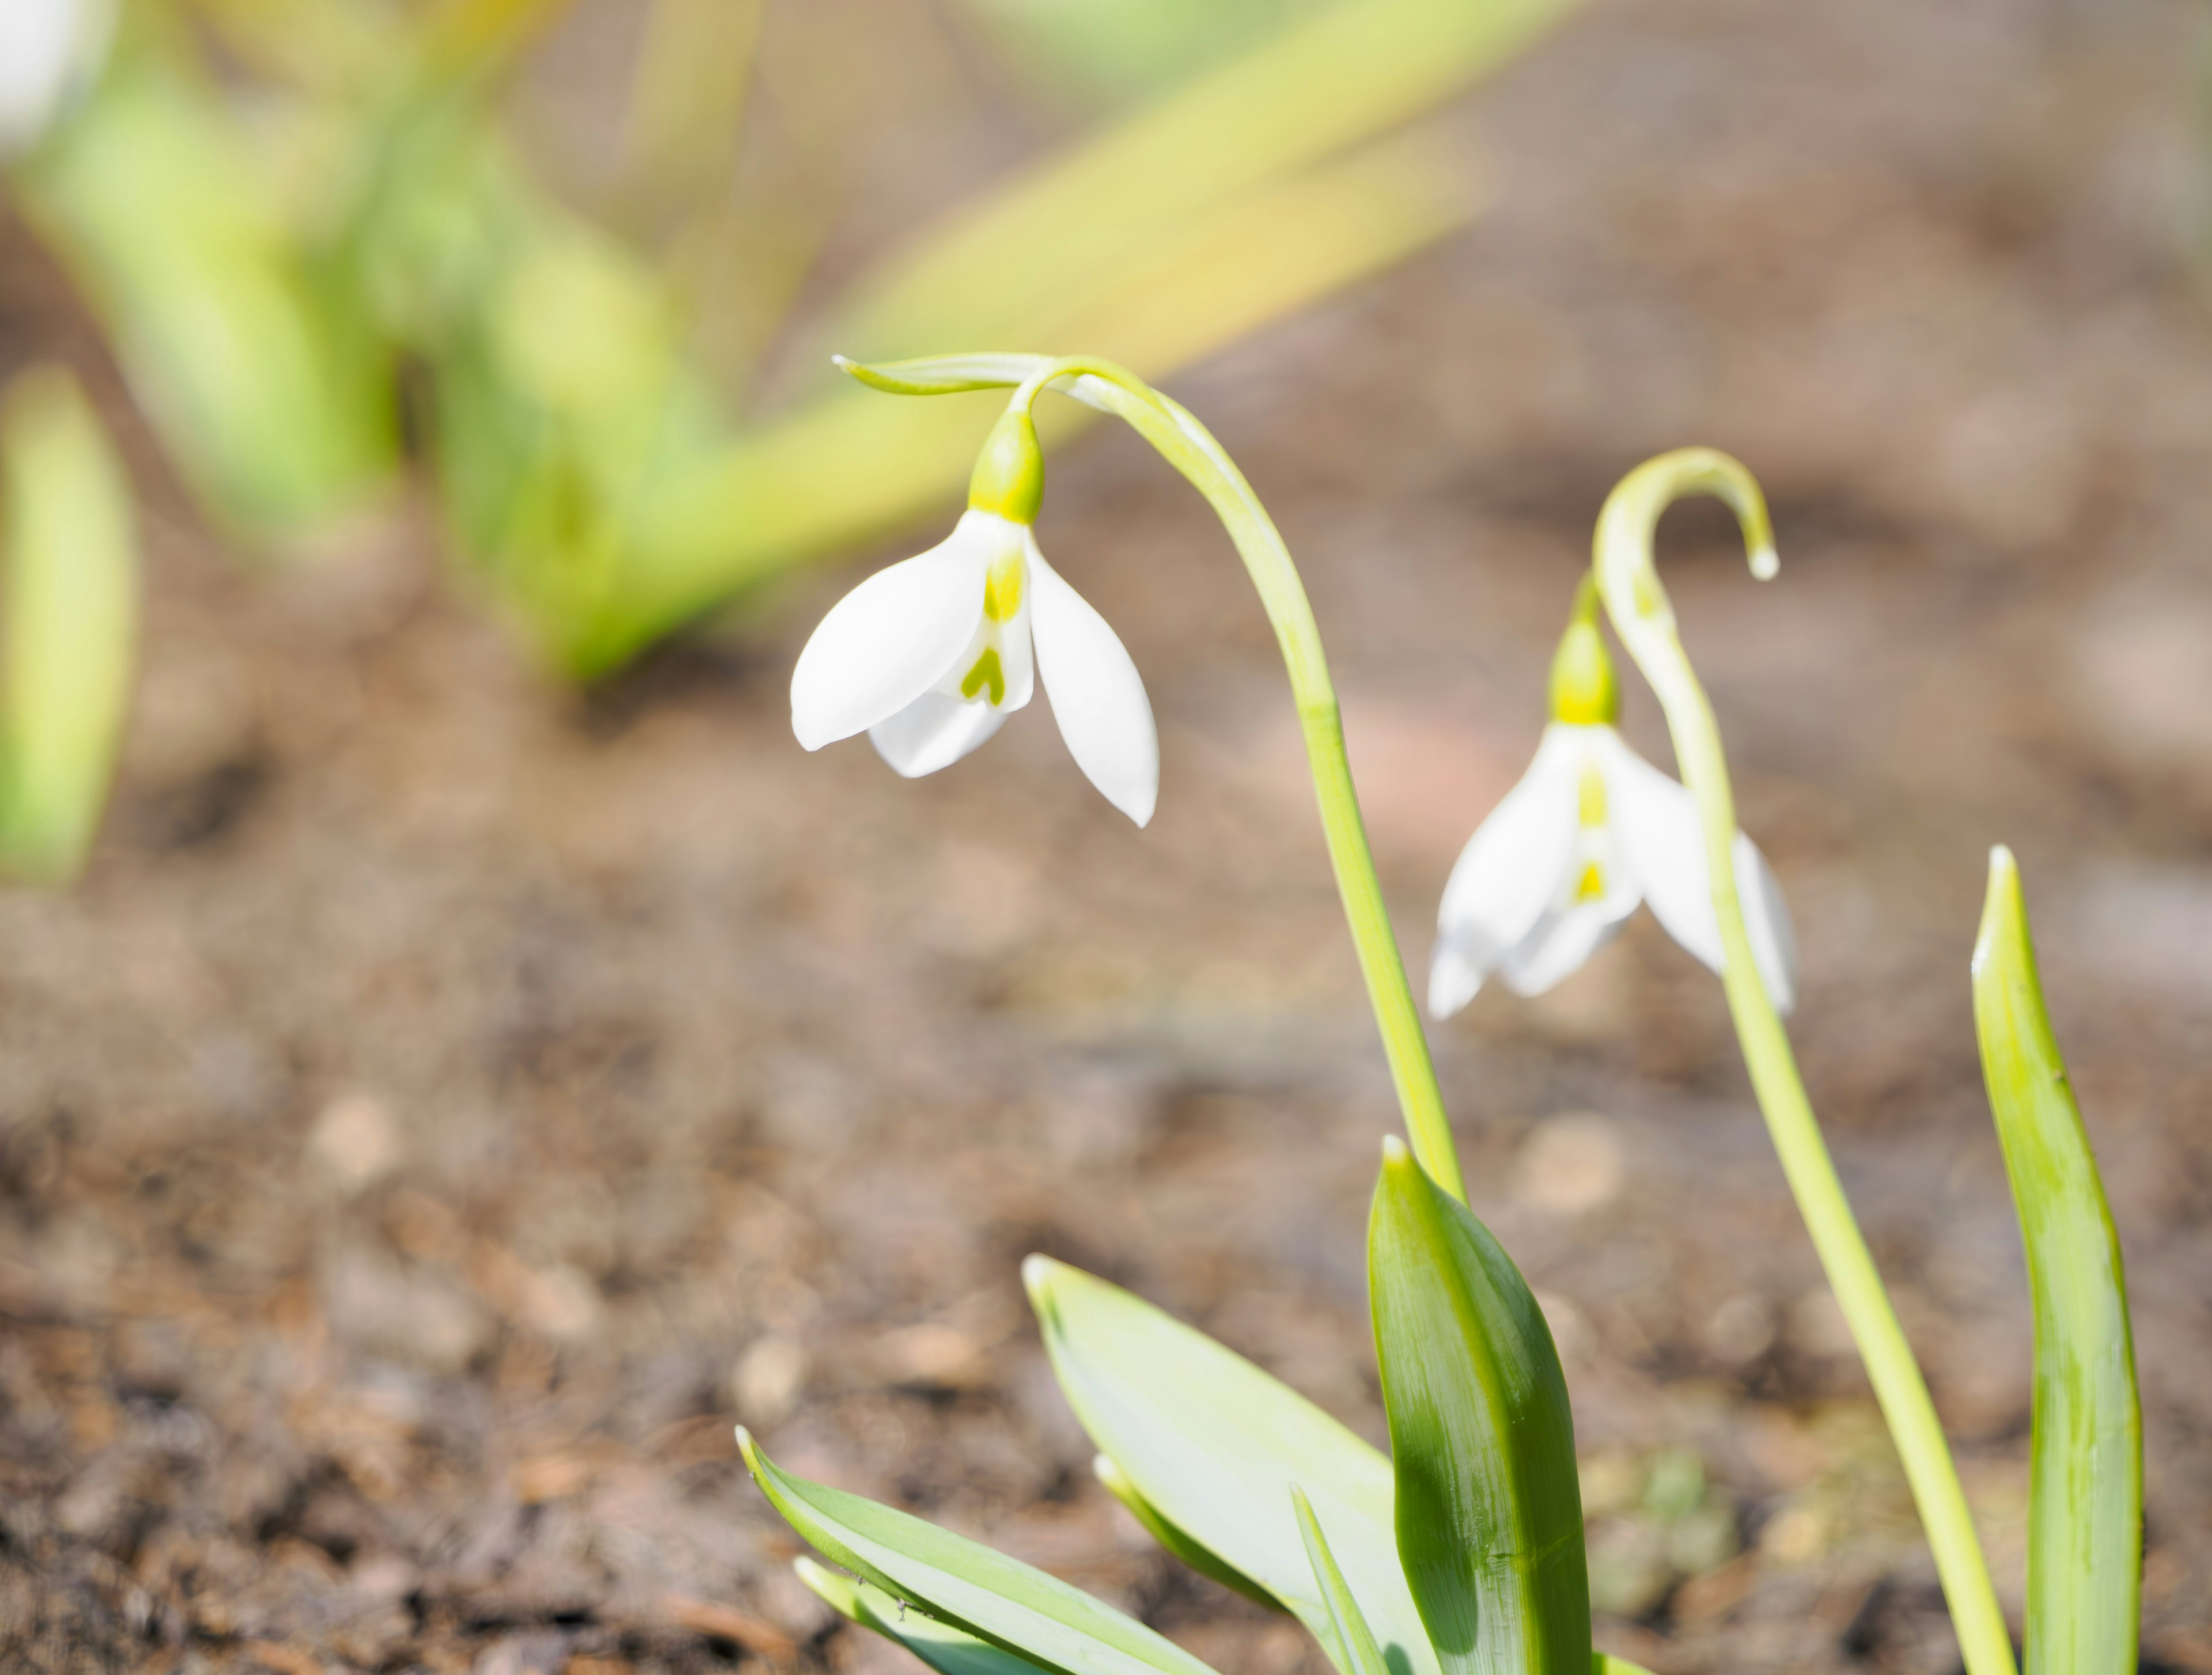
(1656,820)
(933,732)
(1563,941)
(1511,869)
(894,636)
(1097,696)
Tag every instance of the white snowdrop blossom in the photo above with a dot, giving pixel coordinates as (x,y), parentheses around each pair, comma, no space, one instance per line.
(929,656)
(1591,831)
(48,50)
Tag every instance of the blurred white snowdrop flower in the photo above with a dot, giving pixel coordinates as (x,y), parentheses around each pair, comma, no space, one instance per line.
(49,49)
(1591,830)
(930,656)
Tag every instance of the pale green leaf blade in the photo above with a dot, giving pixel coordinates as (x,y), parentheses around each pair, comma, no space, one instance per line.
(1352,1634)
(999,1600)
(1489,1510)
(947,1650)
(1215,1444)
(1604,1663)
(69,625)
(2085,1498)
(1199,1558)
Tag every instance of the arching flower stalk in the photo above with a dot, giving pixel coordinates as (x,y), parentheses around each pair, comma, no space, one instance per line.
(1591,832)
(1645,619)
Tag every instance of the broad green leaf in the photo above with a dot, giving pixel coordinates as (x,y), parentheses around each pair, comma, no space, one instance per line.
(1489,1507)
(1352,1633)
(947,1650)
(2085,1498)
(1215,1444)
(69,626)
(1010,1605)
(1197,1557)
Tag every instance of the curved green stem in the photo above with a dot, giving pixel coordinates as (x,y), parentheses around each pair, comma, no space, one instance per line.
(1188,446)
(1645,623)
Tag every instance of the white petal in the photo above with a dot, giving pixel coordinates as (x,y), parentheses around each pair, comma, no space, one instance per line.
(1767,917)
(1656,820)
(933,732)
(1562,942)
(1454,979)
(894,636)
(1097,696)
(1512,868)
(47,46)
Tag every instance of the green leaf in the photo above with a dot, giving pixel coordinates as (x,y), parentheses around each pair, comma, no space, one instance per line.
(1352,1633)
(1604,1663)
(947,1650)
(1489,1509)
(69,625)
(1215,1444)
(1012,1606)
(1206,1564)
(2085,1498)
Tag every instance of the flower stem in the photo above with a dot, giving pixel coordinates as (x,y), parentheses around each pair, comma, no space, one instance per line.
(1645,619)
(1191,449)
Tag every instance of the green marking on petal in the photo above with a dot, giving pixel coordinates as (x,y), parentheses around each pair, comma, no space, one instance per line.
(987,672)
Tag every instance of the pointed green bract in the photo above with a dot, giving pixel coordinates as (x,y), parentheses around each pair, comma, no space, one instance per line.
(1489,1507)
(1213,1444)
(1362,1655)
(947,1650)
(2085,1503)
(964,1583)
(1199,1558)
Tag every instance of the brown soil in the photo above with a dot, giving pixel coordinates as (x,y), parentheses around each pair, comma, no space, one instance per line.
(450,1102)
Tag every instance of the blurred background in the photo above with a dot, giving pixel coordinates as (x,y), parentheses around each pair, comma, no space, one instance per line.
(471,1055)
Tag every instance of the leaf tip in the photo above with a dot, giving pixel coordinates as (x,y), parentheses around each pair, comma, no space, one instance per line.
(749,1449)
(1393,1151)
(2004,911)
(1037,1272)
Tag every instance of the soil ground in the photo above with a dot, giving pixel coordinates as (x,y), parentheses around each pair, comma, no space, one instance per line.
(450,1102)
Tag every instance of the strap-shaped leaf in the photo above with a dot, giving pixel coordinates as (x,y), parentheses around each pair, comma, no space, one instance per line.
(1175,1541)
(965,1584)
(1215,1444)
(947,1650)
(2085,1497)
(1489,1509)
(1352,1633)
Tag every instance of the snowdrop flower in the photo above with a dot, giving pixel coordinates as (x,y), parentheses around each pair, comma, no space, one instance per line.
(1591,830)
(48,50)
(930,656)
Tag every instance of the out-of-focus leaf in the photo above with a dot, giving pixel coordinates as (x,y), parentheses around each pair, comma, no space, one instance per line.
(1604,1663)
(50,52)
(946,1650)
(1111,49)
(1190,1552)
(69,627)
(1489,1509)
(2085,1499)
(1362,1655)
(1215,1444)
(1116,199)
(257,365)
(965,1584)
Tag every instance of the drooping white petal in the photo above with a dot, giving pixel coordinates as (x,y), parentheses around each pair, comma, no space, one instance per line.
(1656,819)
(1509,872)
(894,636)
(1766,918)
(933,732)
(1564,939)
(1453,979)
(1097,696)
